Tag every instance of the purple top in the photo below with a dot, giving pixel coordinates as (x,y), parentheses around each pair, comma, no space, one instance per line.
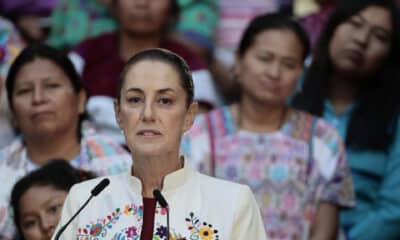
(27,7)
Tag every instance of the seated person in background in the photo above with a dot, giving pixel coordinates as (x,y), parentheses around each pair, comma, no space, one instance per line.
(154,108)
(47,101)
(38,197)
(31,17)
(294,162)
(142,24)
(354,83)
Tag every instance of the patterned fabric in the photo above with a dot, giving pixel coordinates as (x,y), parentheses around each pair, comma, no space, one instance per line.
(98,154)
(10,46)
(198,20)
(235,15)
(200,207)
(72,21)
(287,181)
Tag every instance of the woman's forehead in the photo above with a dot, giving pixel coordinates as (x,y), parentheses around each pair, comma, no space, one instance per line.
(148,73)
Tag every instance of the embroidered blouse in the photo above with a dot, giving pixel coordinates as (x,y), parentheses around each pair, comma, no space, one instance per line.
(200,207)
(98,154)
(290,171)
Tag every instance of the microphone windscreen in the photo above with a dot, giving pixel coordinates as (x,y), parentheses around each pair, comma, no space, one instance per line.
(99,187)
(160,199)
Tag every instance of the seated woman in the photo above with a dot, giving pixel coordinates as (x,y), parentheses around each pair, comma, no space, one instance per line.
(354,83)
(47,101)
(154,107)
(294,162)
(37,198)
(141,25)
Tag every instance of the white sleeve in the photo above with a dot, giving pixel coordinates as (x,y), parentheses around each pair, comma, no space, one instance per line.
(248,223)
(78,61)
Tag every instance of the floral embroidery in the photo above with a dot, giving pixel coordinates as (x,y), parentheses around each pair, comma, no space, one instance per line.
(161,231)
(95,230)
(131,232)
(198,230)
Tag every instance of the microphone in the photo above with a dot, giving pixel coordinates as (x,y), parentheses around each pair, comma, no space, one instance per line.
(95,191)
(164,204)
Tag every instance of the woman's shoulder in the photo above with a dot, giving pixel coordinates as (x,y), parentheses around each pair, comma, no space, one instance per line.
(223,188)
(321,128)
(219,120)
(13,154)
(86,188)
(100,144)
(103,155)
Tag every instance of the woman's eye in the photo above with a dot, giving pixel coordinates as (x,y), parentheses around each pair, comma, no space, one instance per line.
(54,209)
(355,23)
(22,91)
(165,101)
(134,99)
(28,223)
(290,65)
(52,85)
(264,58)
(381,36)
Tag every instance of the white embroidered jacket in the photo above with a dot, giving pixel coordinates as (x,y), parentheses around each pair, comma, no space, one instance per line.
(201,207)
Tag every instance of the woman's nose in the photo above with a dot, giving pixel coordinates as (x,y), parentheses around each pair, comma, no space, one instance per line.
(148,112)
(48,225)
(38,95)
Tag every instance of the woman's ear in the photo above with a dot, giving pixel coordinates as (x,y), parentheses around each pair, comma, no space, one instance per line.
(82,100)
(117,111)
(190,116)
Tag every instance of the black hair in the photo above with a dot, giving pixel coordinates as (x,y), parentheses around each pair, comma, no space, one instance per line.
(372,122)
(272,21)
(165,56)
(58,173)
(40,50)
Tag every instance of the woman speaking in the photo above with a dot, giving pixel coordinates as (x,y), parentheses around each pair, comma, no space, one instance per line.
(154,107)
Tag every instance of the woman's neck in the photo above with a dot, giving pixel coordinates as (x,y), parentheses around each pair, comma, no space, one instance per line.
(41,150)
(152,170)
(260,117)
(342,92)
(130,44)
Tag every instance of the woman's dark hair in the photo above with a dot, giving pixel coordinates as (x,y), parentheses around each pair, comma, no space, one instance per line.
(272,21)
(58,173)
(37,51)
(165,56)
(372,122)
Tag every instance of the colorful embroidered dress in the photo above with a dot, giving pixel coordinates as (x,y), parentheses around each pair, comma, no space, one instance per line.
(200,207)
(98,154)
(287,180)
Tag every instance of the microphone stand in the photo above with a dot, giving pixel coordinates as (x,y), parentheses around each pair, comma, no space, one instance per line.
(62,229)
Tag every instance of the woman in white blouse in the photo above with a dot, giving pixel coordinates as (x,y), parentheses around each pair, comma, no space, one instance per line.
(154,107)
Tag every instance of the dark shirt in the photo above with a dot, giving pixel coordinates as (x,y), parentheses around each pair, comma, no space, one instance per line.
(149,209)
(103,64)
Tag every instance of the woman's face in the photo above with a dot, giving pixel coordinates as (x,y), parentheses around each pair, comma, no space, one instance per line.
(44,100)
(143,16)
(153,111)
(269,69)
(360,44)
(40,211)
